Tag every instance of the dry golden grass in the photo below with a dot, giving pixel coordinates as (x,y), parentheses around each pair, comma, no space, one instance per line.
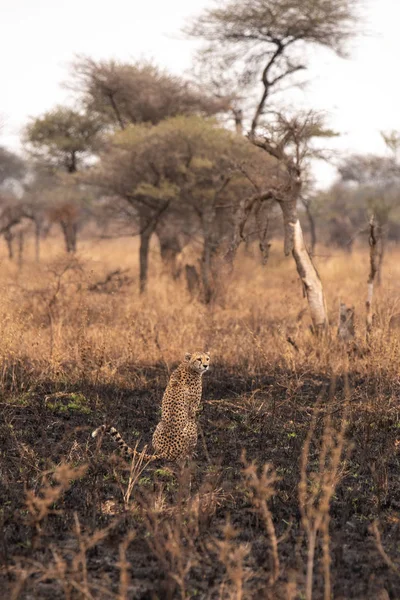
(49,316)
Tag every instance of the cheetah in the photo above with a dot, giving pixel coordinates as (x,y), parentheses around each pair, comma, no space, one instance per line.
(175,437)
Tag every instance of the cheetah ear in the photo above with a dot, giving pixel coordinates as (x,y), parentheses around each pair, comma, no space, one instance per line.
(188,356)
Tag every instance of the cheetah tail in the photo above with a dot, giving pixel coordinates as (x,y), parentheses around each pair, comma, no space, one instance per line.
(126,450)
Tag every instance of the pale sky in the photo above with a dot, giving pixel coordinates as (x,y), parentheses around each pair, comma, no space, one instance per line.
(39,38)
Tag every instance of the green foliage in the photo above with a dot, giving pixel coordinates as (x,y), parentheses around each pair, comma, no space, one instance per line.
(185,160)
(62,135)
(164,473)
(145,481)
(164,191)
(72,403)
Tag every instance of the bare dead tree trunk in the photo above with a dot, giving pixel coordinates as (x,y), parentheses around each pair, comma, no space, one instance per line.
(311,222)
(381,234)
(311,281)
(294,243)
(375,259)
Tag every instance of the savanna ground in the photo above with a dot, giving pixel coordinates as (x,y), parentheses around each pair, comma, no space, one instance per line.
(78,522)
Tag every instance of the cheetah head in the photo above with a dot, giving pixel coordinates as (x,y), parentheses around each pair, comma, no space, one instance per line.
(198,361)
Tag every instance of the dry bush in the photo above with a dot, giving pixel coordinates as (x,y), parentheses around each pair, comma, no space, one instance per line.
(137,466)
(320,474)
(39,504)
(263,488)
(107,332)
(232,555)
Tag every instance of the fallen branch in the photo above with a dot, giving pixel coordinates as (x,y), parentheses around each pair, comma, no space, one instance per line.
(116,278)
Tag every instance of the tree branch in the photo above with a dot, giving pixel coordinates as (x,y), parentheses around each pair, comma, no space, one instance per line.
(241,217)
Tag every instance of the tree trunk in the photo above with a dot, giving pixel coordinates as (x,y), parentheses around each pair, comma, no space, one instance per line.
(206,274)
(262,213)
(37,240)
(64,229)
(148,223)
(311,281)
(192,280)
(381,234)
(170,247)
(8,236)
(145,237)
(116,111)
(73,236)
(294,243)
(69,230)
(20,248)
(238,116)
(375,261)
(71,162)
(211,226)
(147,228)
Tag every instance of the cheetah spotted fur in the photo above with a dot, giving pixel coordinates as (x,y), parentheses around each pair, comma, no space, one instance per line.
(175,437)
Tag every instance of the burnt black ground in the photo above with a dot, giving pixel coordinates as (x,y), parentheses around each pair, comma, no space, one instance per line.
(267,415)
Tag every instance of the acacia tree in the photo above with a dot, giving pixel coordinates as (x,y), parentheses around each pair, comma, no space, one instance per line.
(62,138)
(183,166)
(123,94)
(60,141)
(266,38)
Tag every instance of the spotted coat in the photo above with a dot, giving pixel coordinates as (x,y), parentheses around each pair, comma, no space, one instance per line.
(175,437)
